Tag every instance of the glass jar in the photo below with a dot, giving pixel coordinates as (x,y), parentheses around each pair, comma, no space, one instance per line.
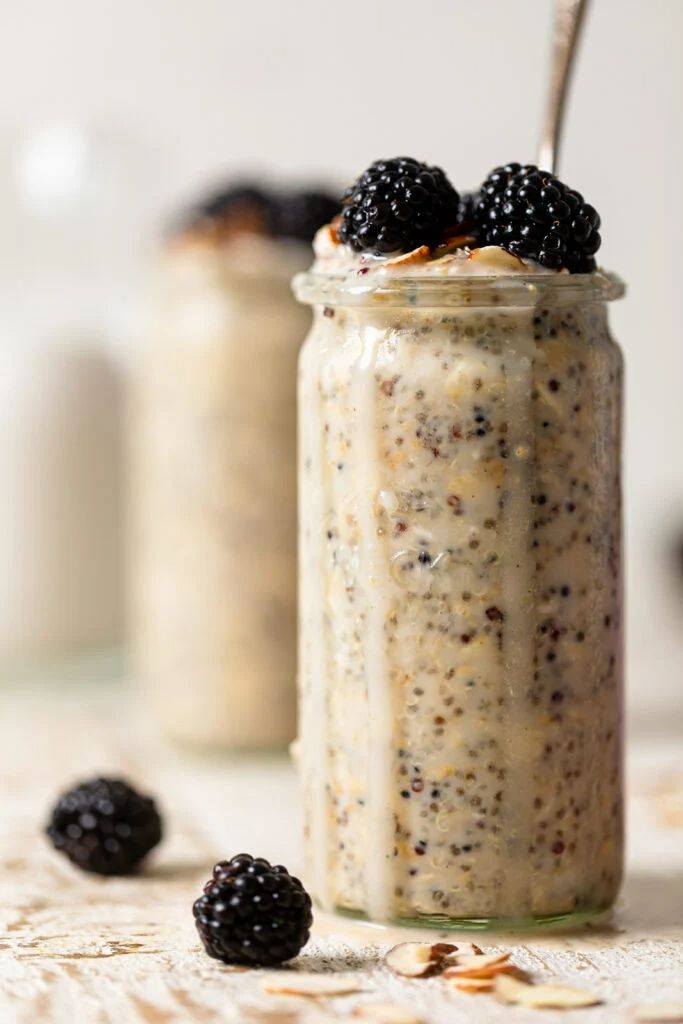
(213,495)
(461,598)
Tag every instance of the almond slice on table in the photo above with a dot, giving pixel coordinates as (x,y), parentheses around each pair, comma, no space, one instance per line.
(659,1013)
(254,1014)
(302,983)
(418,959)
(473,984)
(542,997)
(476,966)
(386,1013)
(488,976)
(463,949)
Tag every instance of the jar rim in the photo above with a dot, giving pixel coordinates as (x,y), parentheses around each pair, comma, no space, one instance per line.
(427,290)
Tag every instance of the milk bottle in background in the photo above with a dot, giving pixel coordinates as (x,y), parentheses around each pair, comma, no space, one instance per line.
(61,392)
(60,511)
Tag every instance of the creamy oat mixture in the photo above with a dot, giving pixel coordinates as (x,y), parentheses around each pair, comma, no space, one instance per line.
(460,651)
(213,486)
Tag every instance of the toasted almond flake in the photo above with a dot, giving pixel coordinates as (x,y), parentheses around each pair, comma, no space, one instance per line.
(477,959)
(386,1013)
(441,950)
(463,949)
(542,997)
(302,983)
(488,973)
(326,240)
(475,984)
(418,959)
(496,258)
(269,1014)
(659,1013)
(484,965)
(418,255)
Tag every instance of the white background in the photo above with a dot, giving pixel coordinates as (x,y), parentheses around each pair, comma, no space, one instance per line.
(190,89)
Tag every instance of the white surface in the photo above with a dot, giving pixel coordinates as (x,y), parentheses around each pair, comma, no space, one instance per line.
(77,949)
(194,89)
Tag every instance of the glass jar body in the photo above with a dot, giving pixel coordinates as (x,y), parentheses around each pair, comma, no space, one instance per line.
(213,496)
(461,608)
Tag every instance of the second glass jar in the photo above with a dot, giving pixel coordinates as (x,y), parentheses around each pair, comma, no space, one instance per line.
(213,496)
(460,582)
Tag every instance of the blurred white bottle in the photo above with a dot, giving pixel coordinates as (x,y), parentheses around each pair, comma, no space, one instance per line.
(61,400)
(60,501)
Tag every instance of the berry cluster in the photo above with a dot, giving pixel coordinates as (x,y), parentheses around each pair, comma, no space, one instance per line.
(397,205)
(250,912)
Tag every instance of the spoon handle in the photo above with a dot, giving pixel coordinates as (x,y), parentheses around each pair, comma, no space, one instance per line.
(568,18)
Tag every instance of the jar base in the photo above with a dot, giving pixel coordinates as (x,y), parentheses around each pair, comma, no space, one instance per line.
(568,921)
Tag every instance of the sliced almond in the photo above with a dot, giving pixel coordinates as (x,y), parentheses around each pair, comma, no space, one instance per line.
(496,258)
(386,1013)
(509,989)
(474,985)
(659,1013)
(488,975)
(444,949)
(331,234)
(418,959)
(256,1014)
(463,949)
(418,255)
(303,983)
(482,965)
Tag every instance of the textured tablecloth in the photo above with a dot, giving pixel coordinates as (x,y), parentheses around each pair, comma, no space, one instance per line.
(76,949)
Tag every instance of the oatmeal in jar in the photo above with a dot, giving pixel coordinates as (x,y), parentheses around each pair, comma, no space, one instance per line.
(460,570)
(213,472)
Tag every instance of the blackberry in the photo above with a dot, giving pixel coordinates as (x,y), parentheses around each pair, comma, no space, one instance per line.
(533,214)
(253,913)
(300,214)
(396,206)
(243,206)
(105,826)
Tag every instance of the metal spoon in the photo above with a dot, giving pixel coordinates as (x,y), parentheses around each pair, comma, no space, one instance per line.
(568,19)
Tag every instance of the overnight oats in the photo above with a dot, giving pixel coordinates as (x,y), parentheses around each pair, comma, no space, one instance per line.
(460,568)
(213,472)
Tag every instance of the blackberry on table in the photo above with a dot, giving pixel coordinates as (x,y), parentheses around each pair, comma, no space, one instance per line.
(105,826)
(397,205)
(253,913)
(534,215)
(299,214)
